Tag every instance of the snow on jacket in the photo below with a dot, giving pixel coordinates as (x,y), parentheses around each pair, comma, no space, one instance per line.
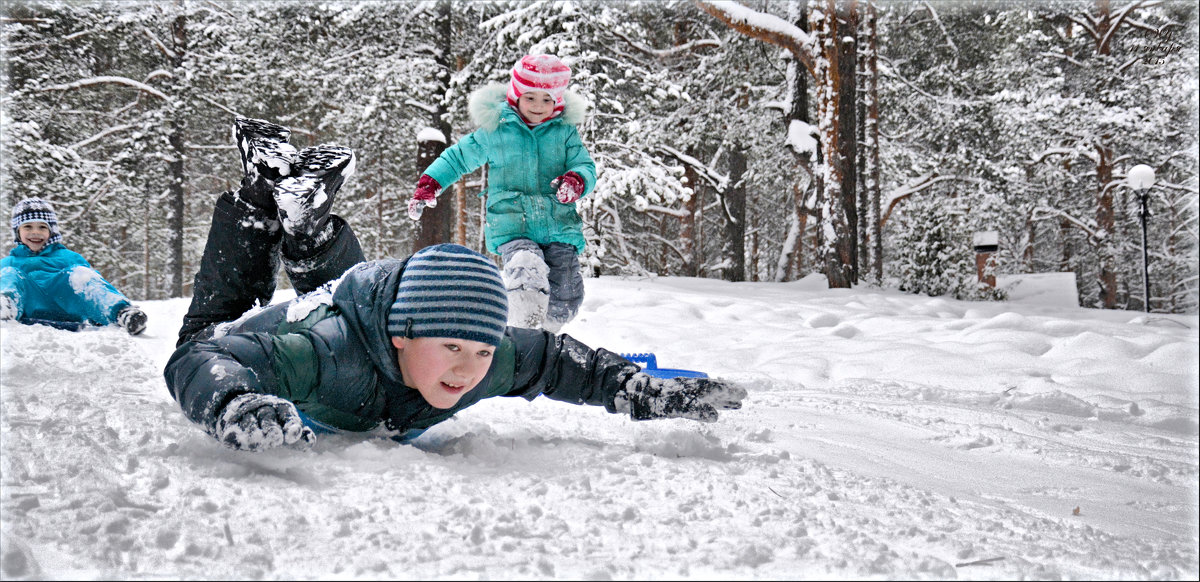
(58,284)
(522,162)
(329,353)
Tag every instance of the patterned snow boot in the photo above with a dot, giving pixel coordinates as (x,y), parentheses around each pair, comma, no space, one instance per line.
(266,156)
(306,197)
(525,280)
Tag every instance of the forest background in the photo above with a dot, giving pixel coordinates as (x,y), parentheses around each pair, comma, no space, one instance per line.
(762,140)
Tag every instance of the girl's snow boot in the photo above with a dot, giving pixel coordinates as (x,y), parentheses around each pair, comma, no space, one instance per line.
(525,280)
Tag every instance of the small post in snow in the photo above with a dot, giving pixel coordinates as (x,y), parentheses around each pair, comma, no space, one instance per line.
(1140,178)
(986,243)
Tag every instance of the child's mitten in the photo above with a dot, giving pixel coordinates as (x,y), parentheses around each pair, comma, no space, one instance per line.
(645,397)
(569,187)
(252,422)
(426,195)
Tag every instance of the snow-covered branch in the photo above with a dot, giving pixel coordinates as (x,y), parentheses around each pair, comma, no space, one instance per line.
(945,33)
(1120,16)
(710,175)
(890,71)
(100,136)
(676,212)
(671,244)
(762,26)
(1039,158)
(350,54)
(619,232)
(108,80)
(218,105)
(1047,212)
(665,53)
(422,106)
(1087,24)
(170,54)
(1062,56)
(921,184)
(156,74)
(214,7)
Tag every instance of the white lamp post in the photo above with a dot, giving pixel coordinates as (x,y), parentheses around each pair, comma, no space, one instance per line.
(1141,178)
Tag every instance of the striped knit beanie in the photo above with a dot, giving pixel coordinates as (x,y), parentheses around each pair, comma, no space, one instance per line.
(450,291)
(35,210)
(540,73)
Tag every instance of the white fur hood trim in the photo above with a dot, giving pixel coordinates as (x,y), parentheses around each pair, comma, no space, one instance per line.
(487,104)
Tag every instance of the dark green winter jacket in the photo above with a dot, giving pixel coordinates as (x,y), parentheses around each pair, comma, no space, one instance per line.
(329,353)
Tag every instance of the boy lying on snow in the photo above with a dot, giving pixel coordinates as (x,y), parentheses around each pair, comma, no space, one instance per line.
(405,344)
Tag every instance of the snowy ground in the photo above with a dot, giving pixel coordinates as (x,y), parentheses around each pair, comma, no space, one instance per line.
(885,436)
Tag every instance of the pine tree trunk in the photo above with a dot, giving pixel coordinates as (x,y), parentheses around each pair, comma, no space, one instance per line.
(437,224)
(1105,223)
(176,201)
(798,111)
(871,153)
(460,188)
(380,244)
(838,243)
(847,111)
(460,211)
(688,228)
(735,215)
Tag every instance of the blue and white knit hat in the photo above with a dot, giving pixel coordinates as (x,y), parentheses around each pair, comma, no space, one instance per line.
(35,210)
(450,291)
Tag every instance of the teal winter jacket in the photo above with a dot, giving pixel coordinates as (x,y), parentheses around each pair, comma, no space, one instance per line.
(58,284)
(522,162)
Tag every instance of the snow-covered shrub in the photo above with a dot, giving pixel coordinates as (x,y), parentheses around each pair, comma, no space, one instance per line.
(933,253)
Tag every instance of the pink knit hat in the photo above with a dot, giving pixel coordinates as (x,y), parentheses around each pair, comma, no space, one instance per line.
(540,73)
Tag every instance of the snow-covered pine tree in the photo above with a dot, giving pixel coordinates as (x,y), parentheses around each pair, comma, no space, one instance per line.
(931,249)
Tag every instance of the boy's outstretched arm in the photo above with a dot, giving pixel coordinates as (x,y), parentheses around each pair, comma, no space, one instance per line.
(563,368)
(223,386)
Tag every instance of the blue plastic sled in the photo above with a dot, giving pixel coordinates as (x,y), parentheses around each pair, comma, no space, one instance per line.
(649,365)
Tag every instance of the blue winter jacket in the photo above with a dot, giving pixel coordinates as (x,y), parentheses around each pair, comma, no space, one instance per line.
(522,162)
(58,284)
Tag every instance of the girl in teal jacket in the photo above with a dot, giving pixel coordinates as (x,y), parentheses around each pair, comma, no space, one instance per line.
(42,281)
(537,168)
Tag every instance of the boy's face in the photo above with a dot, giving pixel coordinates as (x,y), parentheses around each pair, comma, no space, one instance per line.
(535,106)
(442,369)
(34,235)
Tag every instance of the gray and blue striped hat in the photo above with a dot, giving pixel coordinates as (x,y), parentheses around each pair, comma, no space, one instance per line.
(450,291)
(35,210)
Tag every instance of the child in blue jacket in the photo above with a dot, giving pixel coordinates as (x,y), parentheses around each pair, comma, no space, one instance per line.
(43,281)
(537,168)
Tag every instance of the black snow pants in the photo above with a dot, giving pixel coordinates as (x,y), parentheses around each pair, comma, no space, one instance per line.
(241,257)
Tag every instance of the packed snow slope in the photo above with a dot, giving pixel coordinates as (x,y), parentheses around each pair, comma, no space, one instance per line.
(885,436)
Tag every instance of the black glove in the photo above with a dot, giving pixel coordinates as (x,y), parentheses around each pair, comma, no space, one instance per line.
(252,422)
(645,397)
